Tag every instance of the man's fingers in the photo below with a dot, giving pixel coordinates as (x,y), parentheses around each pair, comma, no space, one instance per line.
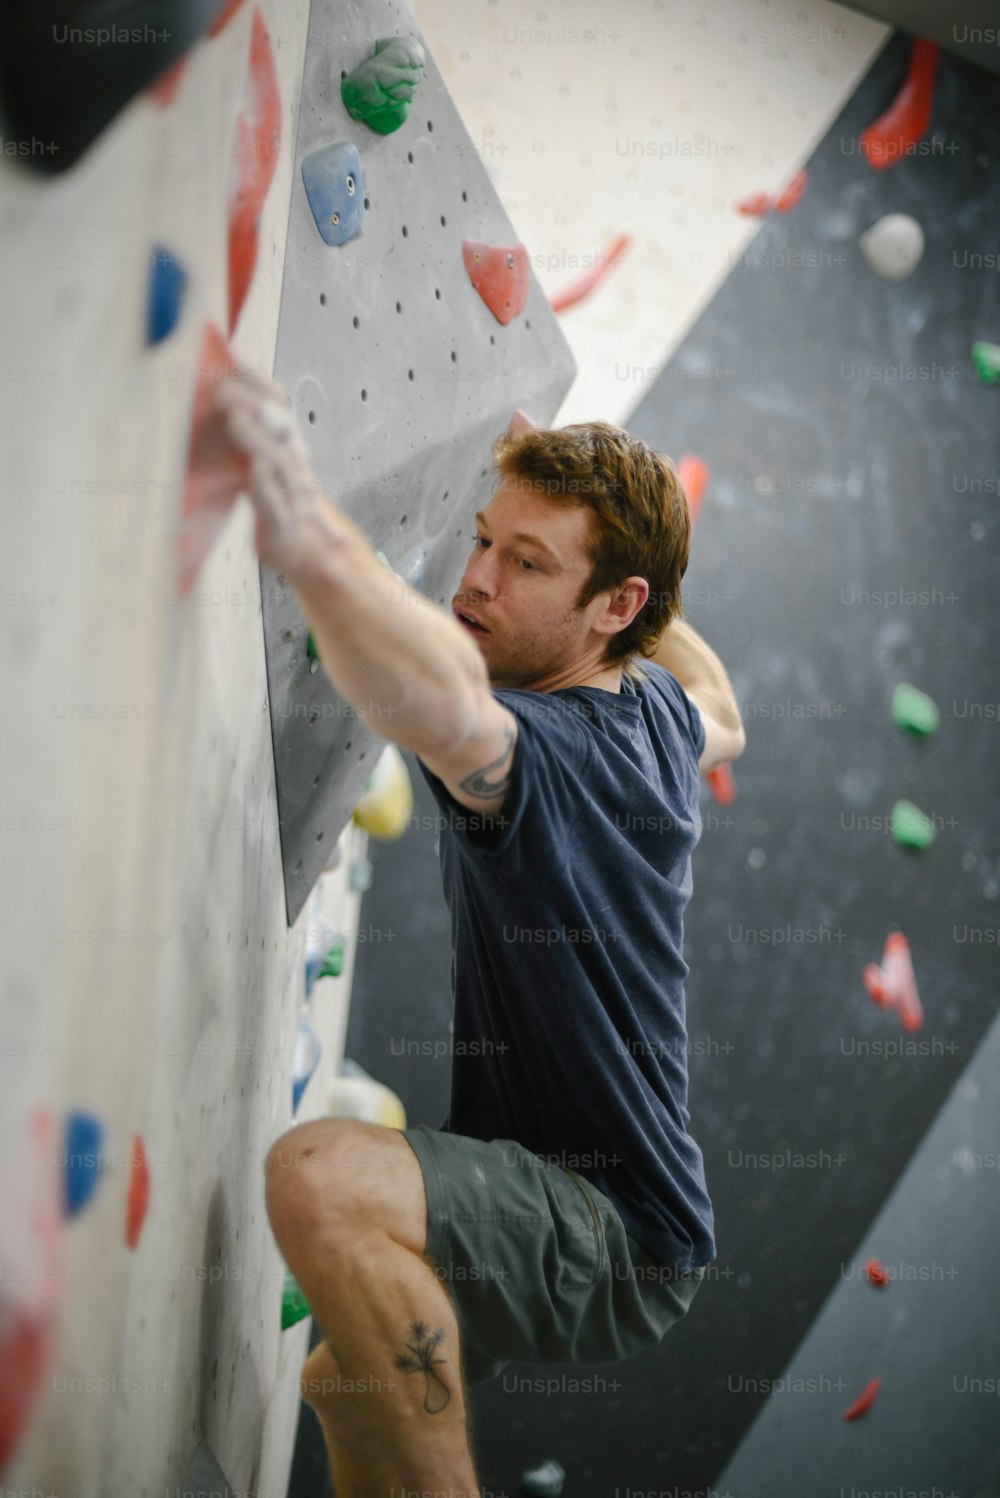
(268,488)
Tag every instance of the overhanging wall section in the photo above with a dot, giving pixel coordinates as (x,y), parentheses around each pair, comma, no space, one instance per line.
(401,377)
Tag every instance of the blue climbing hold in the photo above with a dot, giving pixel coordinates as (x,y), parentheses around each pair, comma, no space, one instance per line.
(167,284)
(308,1050)
(84,1137)
(335,187)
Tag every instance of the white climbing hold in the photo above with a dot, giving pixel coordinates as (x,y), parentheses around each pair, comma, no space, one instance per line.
(893,246)
(546,1480)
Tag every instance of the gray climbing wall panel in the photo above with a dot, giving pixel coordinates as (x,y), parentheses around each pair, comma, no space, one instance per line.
(931,1335)
(401,377)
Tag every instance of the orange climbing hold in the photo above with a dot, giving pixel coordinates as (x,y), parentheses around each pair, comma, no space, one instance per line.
(905,122)
(584,285)
(693,474)
(877,1273)
(864,1401)
(138,1193)
(255,158)
(216,473)
(722,784)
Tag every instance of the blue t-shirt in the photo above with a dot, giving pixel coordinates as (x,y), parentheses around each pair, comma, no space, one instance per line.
(567,962)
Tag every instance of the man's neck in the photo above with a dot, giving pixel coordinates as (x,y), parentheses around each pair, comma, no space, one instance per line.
(608,680)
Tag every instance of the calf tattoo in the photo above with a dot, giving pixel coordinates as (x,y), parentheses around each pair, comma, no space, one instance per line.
(420,1359)
(479,782)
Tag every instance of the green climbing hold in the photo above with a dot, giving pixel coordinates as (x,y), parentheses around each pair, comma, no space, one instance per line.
(333,962)
(911,826)
(294,1306)
(379,91)
(311,648)
(986,358)
(913,709)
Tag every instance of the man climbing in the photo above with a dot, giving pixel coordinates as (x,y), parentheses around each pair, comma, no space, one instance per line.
(560,712)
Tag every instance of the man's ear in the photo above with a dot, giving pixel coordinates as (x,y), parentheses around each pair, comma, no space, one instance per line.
(520,422)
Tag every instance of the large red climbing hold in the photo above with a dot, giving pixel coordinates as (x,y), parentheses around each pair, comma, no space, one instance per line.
(138,1193)
(501,274)
(905,122)
(31,1200)
(584,285)
(255,158)
(864,1401)
(693,474)
(216,472)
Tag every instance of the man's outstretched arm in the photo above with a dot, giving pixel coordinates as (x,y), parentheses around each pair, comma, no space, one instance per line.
(704,678)
(404,663)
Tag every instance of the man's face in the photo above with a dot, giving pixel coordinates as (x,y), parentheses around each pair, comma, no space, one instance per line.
(524,574)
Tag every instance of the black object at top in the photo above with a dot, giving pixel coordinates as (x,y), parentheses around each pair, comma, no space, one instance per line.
(67,67)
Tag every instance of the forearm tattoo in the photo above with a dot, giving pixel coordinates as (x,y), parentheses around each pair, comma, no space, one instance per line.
(479,782)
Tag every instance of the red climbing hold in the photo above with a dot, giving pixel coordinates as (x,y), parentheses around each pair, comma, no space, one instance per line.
(693,474)
(255,157)
(906,120)
(216,473)
(894,984)
(864,1401)
(163,90)
(900,981)
(224,17)
(794,192)
(874,981)
(755,205)
(584,285)
(138,1193)
(877,1273)
(722,784)
(501,274)
(30,1275)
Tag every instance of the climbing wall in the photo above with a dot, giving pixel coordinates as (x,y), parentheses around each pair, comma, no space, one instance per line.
(400,372)
(182,941)
(151,983)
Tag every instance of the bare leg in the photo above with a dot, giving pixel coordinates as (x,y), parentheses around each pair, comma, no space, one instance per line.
(390,1396)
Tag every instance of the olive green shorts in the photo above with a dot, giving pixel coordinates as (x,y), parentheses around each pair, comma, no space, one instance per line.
(537,1260)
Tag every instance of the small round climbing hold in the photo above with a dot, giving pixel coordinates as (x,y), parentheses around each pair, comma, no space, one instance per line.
(893,246)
